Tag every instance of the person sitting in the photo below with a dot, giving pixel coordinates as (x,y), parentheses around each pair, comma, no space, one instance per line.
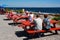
(46,23)
(31,16)
(38,23)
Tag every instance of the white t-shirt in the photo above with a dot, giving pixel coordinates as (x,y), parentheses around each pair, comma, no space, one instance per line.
(31,17)
(39,23)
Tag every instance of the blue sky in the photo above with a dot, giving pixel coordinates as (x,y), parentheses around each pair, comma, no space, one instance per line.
(30,3)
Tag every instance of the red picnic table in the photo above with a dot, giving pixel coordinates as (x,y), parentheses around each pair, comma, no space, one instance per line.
(32,32)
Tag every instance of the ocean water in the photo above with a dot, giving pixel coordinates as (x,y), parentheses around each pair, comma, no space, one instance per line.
(37,9)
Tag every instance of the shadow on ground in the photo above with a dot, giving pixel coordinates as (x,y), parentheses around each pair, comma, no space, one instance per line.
(21,33)
(14,24)
(6,19)
(24,34)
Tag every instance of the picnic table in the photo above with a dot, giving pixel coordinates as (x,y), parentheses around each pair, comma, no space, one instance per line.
(54,22)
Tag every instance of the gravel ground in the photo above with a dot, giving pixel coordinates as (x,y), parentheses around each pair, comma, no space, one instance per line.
(8,32)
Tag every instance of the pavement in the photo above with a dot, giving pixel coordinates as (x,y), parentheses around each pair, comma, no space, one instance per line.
(10,32)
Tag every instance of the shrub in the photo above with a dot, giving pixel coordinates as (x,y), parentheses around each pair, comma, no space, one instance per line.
(56,18)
